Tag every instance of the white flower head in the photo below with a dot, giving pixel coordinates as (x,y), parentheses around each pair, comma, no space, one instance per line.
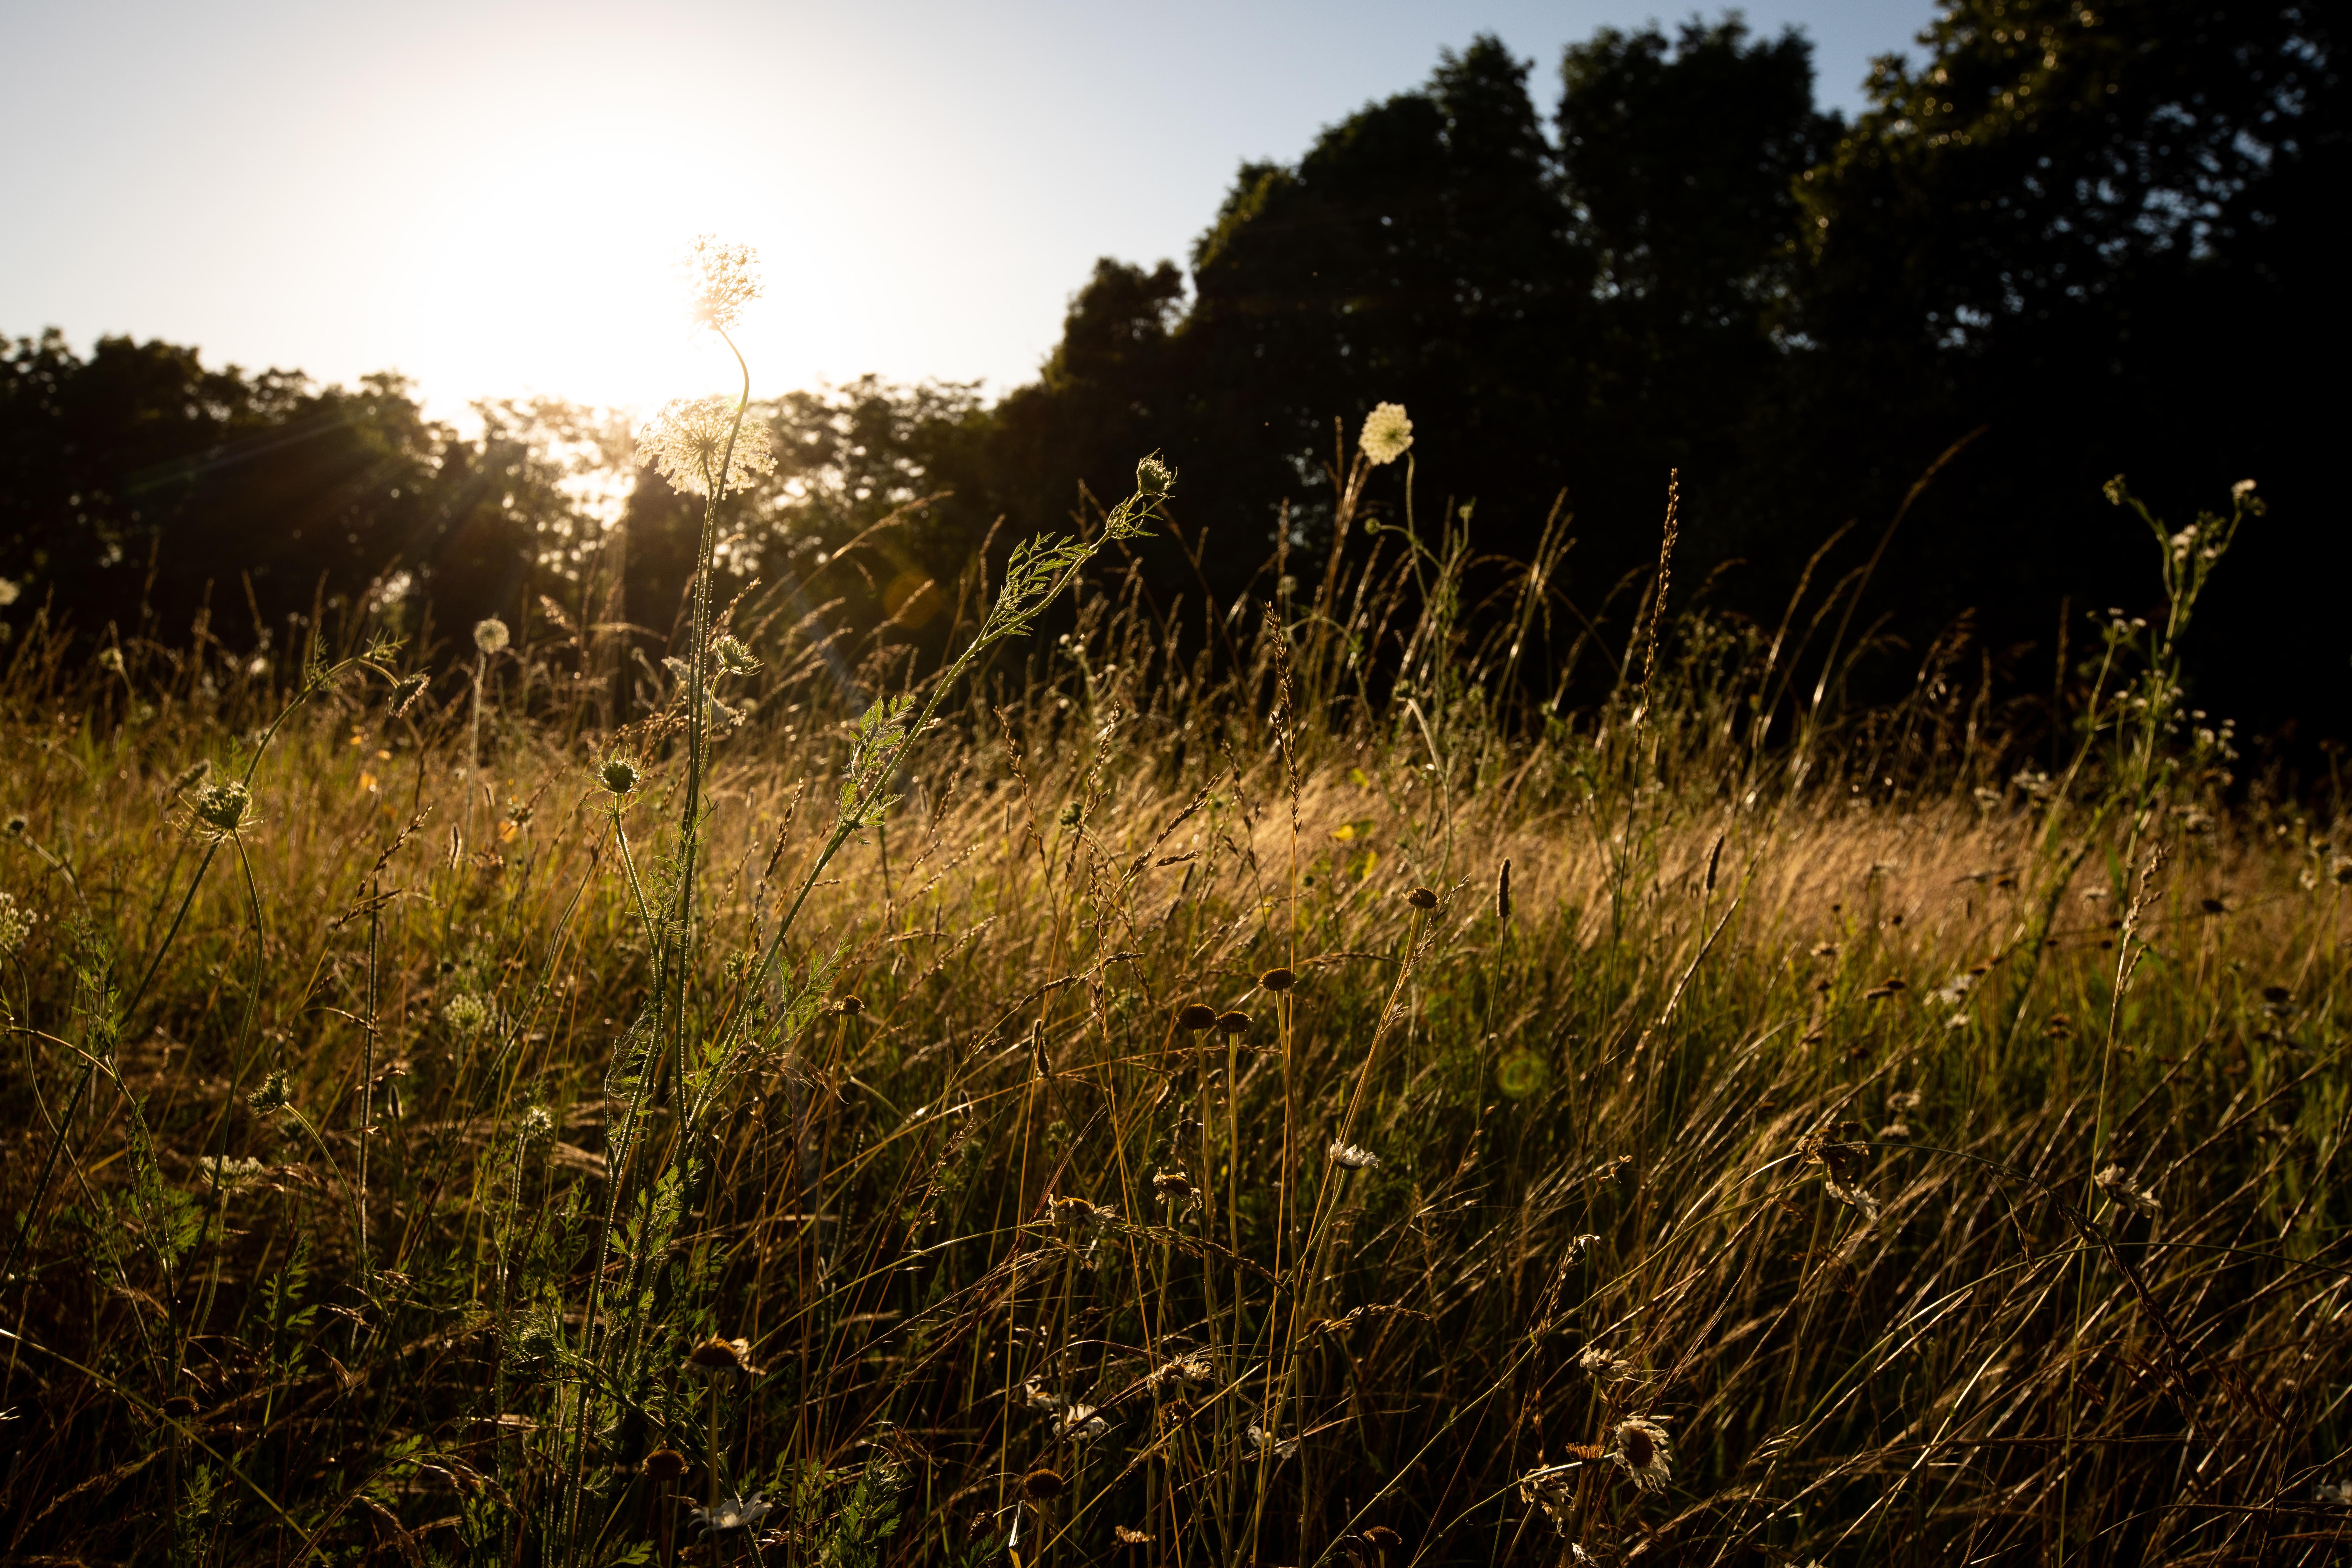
(732,1513)
(719,281)
(10,591)
(2238,491)
(15,924)
(1352,1157)
(465,1012)
(1639,1445)
(491,635)
(1387,434)
(688,441)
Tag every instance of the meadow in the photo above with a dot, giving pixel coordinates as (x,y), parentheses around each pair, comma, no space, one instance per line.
(1389,1070)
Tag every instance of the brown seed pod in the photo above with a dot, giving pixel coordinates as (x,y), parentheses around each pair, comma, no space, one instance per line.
(1195,1016)
(1042,1485)
(1277,980)
(665,1465)
(1171,1184)
(1422,898)
(715,1355)
(1233,1023)
(179,1407)
(1381,1536)
(850,1005)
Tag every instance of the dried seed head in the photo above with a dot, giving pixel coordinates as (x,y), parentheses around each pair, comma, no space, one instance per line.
(1503,892)
(1126,1537)
(1195,1016)
(715,1357)
(619,775)
(1603,1367)
(1043,1485)
(1233,1023)
(1154,478)
(665,1465)
(1421,898)
(271,1096)
(850,1005)
(1173,1187)
(1277,980)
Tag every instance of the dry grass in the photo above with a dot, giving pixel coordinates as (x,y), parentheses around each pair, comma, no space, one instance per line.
(1774,1116)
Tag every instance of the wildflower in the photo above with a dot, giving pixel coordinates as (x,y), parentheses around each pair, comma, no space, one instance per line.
(1153,477)
(221,808)
(1387,434)
(719,281)
(1233,1023)
(1043,1485)
(1350,1156)
(665,1465)
(1080,1424)
(1277,980)
(10,591)
(1603,1367)
(1262,1440)
(732,1513)
(1422,898)
(230,1172)
(732,657)
(2238,491)
(715,1357)
(1172,1187)
(271,1096)
(16,924)
(688,441)
(2117,1185)
(537,1126)
(1195,1016)
(110,660)
(1639,1445)
(619,775)
(491,635)
(465,1012)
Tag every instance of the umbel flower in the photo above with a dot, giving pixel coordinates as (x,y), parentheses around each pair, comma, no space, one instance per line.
(222,807)
(688,441)
(1387,434)
(719,281)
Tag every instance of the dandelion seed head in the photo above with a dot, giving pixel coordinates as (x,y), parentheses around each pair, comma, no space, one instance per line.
(491,635)
(1387,433)
(687,441)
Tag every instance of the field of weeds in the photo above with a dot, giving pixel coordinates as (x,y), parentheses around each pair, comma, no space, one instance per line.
(1219,1084)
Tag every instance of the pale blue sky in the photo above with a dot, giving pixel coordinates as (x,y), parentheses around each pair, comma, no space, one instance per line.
(482,195)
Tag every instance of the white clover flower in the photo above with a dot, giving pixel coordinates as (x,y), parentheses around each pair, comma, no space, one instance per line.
(1387,434)
(491,635)
(688,441)
(719,281)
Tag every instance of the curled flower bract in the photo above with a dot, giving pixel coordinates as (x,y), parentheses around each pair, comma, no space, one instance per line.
(687,442)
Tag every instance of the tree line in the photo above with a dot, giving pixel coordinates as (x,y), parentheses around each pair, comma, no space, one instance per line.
(2072,239)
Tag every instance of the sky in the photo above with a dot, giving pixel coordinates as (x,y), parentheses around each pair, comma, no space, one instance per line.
(487,197)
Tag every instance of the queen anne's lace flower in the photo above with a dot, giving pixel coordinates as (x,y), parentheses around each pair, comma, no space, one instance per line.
(688,441)
(721,281)
(1387,434)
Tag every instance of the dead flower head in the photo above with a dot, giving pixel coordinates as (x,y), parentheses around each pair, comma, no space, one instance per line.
(1639,1445)
(715,1357)
(1352,1157)
(1195,1016)
(2118,1185)
(1602,1366)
